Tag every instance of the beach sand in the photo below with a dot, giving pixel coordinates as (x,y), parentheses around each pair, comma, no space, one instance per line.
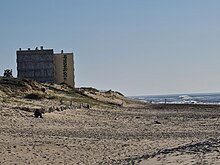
(156,134)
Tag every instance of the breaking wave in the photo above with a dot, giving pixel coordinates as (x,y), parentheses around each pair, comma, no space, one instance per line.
(213,98)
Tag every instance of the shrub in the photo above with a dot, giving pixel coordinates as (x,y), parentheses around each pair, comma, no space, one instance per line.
(34,96)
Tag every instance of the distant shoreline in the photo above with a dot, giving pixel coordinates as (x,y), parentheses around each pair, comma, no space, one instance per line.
(206,98)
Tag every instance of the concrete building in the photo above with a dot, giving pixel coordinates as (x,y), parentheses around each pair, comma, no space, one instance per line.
(43,65)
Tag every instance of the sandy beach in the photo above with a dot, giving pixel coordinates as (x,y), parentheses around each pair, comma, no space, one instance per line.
(89,127)
(156,134)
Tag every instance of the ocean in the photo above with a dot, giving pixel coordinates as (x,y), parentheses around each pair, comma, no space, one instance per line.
(205,98)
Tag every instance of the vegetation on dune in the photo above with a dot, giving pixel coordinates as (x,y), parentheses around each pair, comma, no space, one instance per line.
(35,96)
(28,92)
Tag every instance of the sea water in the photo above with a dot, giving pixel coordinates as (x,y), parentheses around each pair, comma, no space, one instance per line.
(207,98)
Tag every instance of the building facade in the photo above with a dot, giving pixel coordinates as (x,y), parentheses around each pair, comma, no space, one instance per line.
(64,70)
(43,65)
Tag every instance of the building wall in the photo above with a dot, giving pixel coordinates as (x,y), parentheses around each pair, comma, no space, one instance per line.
(36,64)
(64,68)
(45,66)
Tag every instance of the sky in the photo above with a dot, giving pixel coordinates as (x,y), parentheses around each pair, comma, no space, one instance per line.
(137,47)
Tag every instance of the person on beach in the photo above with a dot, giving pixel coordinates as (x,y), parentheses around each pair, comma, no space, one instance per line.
(38,113)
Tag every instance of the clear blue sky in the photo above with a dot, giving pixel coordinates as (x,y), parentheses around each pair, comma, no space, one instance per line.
(138,47)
